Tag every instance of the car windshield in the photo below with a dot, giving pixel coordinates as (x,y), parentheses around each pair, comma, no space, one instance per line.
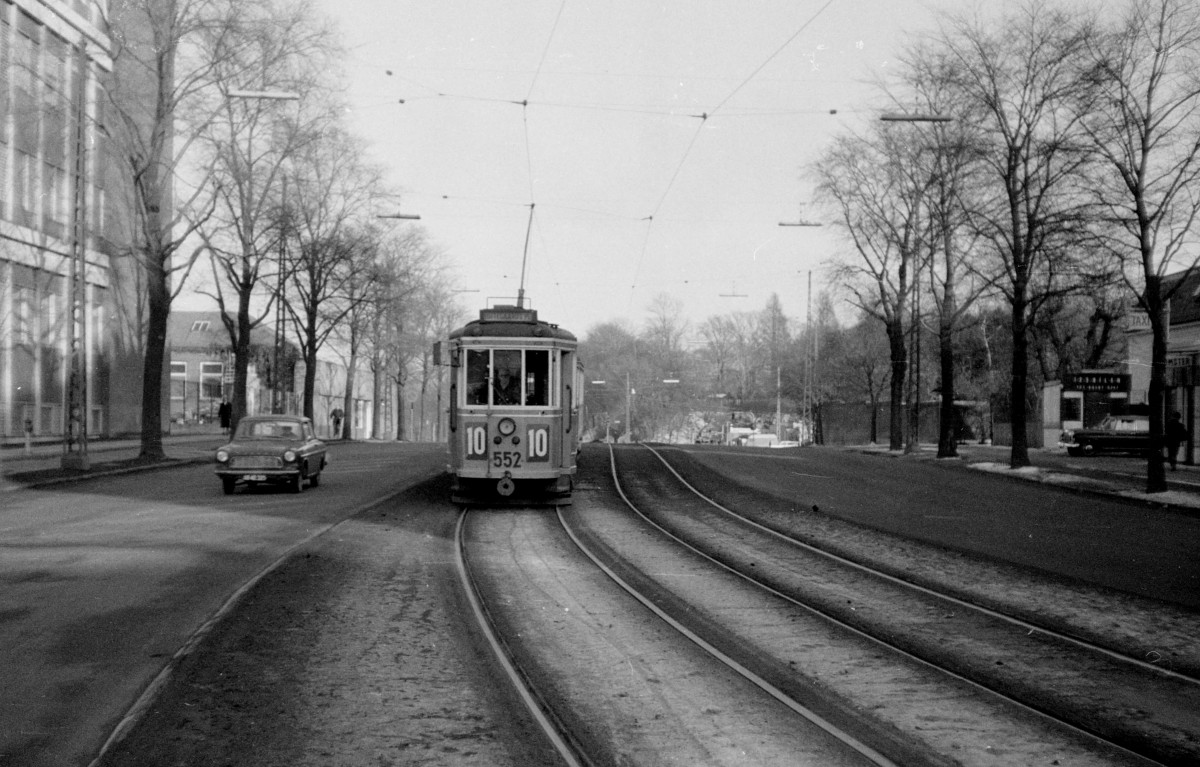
(269,430)
(1125,424)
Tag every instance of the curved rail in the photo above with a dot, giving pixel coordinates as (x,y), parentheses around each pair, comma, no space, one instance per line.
(520,683)
(958,601)
(841,735)
(883,643)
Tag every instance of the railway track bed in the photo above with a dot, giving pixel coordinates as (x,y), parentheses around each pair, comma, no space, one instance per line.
(902,674)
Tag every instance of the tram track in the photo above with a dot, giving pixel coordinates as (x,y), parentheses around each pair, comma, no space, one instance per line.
(847,670)
(1104,695)
(606,678)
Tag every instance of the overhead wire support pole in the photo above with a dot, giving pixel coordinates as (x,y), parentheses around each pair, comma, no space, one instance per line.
(807,409)
(75,413)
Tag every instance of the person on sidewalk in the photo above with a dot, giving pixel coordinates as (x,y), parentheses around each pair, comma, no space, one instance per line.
(1176,435)
(225,414)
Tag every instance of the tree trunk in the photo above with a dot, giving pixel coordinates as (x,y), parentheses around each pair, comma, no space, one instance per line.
(1019,457)
(1156,473)
(399,410)
(159,311)
(348,400)
(947,438)
(895,333)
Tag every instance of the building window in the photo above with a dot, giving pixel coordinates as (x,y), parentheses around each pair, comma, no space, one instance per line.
(178,388)
(211,376)
(202,326)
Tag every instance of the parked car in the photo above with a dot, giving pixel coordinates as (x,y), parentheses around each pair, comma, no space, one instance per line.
(281,449)
(1116,433)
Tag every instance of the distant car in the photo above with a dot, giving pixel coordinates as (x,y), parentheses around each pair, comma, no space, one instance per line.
(1116,433)
(279,449)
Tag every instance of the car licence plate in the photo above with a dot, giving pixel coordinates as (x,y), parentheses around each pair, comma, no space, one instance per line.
(256,477)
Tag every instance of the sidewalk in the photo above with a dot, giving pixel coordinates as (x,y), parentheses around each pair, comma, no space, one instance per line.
(42,463)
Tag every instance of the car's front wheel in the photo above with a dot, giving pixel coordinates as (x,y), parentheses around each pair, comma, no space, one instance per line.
(314,480)
(296,485)
(228,484)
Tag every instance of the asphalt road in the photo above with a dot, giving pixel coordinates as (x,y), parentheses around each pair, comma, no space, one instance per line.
(1067,529)
(105,580)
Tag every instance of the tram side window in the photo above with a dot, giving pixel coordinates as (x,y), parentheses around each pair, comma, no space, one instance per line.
(477,376)
(537,377)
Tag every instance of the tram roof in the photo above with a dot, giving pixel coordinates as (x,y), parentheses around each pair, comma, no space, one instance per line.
(511,322)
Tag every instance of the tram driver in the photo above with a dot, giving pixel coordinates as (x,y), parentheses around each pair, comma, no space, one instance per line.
(507,386)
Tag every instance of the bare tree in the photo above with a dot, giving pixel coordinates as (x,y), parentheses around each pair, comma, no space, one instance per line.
(155,54)
(330,194)
(1020,76)
(1143,119)
(951,157)
(279,46)
(877,192)
(858,368)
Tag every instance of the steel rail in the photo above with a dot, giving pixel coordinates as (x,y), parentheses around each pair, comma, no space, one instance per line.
(1046,715)
(959,601)
(535,705)
(779,695)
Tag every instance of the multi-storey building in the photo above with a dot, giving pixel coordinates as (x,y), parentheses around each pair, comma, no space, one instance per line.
(55,222)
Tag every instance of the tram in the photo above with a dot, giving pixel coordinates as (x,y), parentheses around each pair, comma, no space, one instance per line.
(516,399)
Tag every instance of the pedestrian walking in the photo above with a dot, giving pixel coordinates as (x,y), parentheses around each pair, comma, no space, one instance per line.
(336,415)
(225,415)
(1176,435)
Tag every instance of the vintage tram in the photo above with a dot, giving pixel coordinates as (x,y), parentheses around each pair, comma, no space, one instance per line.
(516,398)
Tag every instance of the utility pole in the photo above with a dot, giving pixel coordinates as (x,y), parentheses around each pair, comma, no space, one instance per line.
(75,410)
(808,364)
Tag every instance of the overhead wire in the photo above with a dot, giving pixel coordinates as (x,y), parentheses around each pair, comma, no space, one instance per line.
(529,151)
(704,121)
(702,117)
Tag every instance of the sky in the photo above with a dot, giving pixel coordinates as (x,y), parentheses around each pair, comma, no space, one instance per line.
(660,144)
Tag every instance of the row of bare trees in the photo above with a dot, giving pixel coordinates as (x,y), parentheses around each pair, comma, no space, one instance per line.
(242,164)
(1061,167)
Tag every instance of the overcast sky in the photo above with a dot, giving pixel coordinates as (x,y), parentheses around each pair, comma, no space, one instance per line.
(660,143)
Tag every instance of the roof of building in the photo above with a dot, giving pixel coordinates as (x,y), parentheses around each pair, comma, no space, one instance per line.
(205,330)
(1185,300)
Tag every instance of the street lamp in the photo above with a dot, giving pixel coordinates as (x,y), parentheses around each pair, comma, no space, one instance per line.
(916,117)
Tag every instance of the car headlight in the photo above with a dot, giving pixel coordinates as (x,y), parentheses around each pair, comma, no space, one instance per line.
(222,456)
(289,456)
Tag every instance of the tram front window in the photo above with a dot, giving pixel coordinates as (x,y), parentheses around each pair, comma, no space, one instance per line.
(508,377)
(537,377)
(478,364)
(506,384)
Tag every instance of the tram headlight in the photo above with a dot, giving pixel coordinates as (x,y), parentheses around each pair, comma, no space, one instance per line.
(506,427)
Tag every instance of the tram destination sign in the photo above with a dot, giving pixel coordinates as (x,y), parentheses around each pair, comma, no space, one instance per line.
(1099,382)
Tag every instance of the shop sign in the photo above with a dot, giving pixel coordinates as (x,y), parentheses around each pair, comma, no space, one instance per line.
(1097,382)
